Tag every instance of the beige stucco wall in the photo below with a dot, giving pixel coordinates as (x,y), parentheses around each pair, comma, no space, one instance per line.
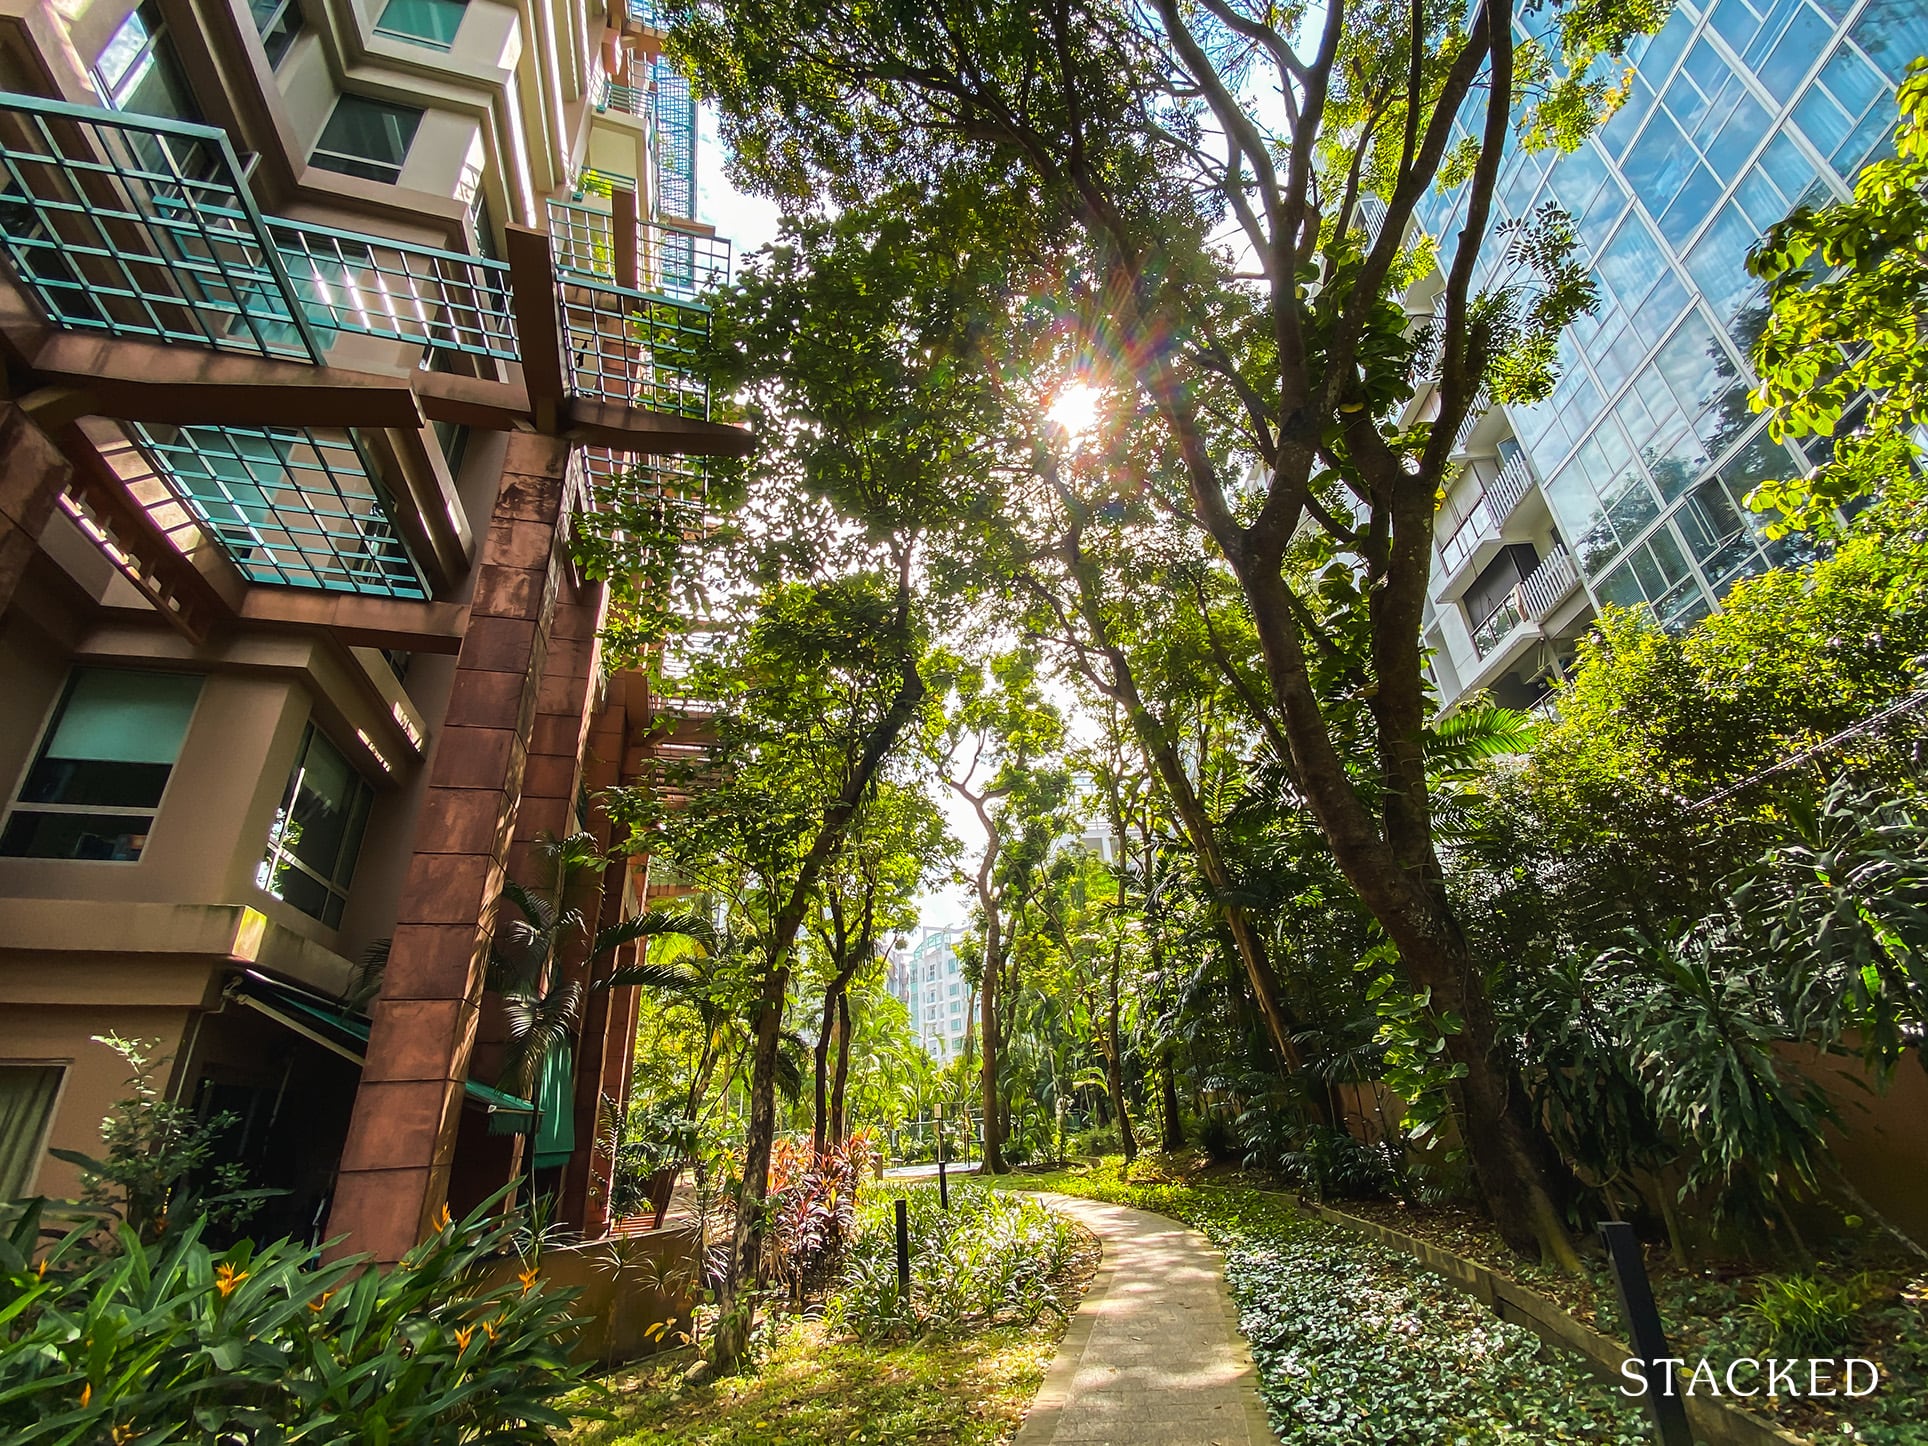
(94,1076)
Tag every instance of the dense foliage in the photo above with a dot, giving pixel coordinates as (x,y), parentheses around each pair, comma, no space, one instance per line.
(170,1339)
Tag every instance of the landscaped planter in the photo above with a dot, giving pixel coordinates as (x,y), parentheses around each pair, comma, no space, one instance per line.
(1713,1421)
(637,1291)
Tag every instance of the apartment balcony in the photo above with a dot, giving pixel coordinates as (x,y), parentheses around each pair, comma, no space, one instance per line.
(630,100)
(1482,532)
(270,379)
(679,259)
(1505,492)
(1528,605)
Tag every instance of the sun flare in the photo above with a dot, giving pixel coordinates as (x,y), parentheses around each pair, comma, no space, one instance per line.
(1075,408)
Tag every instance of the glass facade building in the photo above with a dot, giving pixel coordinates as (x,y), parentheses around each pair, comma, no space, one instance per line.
(1636,466)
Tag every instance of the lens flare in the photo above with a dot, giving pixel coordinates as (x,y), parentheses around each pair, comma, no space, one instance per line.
(1076,407)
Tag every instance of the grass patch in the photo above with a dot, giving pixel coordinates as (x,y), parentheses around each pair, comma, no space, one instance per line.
(813,1389)
(1358,1345)
(994,1281)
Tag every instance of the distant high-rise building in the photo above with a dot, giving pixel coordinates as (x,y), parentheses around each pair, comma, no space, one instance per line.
(1625,486)
(928,980)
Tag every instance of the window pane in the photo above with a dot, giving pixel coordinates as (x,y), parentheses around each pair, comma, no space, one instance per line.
(432,21)
(317,833)
(367,138)
(27,1095)
(124,717)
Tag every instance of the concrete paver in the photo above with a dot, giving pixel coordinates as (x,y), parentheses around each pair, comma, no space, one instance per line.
(1153,1356)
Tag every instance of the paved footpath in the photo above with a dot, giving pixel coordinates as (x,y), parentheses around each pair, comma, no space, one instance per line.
(1153,1356)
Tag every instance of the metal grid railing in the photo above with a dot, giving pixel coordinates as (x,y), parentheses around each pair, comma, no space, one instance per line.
(441,300)
(294,507)
(144,228)
(681,482)
(138,227)
(645,13)
(675,260)
(635,347)
(625,99)
(675,142)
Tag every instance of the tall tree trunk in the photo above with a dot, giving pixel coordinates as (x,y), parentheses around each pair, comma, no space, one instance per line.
(1114,1064)
(994,1163)
(1168,1093)
(839,1125)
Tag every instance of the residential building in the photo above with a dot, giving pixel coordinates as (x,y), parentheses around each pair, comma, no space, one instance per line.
(324,325)
(1626,485)
(928,980)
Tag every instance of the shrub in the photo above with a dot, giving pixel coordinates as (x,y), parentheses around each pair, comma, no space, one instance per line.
(172,1340)
(811,1211)
(1803,1316)
(991,1259)
(1098,1140)
(1331,1164)
(1218,1138)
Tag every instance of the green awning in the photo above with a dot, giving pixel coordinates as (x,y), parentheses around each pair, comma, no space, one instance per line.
(556,1094)
(323,1020)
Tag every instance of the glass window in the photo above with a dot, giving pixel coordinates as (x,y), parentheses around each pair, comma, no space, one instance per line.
(1620,589)
(1699,192)
(1805,38)
(1718,262)
(1893,32)
(1626,121)
(1728,149)
(96,784)
(1658,162)
(140,72)
(277,22)
(368,138)
(27,1095)
(317,831)
(426,22)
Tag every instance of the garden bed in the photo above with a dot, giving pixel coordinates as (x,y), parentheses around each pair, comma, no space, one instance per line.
(961,1365)
(1358,1345)
(1707,1310)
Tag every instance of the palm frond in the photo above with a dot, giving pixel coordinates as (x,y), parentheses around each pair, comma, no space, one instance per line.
(1478,734)
(664,978)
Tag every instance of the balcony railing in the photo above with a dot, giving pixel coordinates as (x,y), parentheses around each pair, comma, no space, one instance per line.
(144,229)
(1504,492)
(625,100)
(646,13)
(1549,584)
(676,260)
(1477,526)
(1537,595)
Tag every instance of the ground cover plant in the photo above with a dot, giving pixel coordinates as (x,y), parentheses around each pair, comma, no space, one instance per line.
(1357,1345)
(994,1280)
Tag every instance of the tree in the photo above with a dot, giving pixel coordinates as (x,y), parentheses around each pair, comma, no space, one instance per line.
(997,753)
(1276,364)
(868,893)
(1841,355)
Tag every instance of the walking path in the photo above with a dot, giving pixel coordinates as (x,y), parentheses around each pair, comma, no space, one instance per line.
(1153,1357)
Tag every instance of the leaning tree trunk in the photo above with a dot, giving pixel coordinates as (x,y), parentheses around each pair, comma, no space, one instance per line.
(839,1124)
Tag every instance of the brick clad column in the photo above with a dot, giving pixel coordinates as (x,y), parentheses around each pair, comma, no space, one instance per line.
(401,1140)
(33,474)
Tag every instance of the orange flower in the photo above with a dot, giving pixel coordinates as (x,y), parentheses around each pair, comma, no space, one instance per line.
(489,1326)
(122,1434)
(86,1394)
(442,1220)
(318,1306)
(227,1279)
(41,1274)
(528,1278)
(463,1335)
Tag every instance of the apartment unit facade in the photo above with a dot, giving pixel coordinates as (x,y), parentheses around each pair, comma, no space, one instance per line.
(325,323)
(1626,485)
(928,980)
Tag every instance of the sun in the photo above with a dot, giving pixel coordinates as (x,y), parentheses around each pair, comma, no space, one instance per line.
(1075,408)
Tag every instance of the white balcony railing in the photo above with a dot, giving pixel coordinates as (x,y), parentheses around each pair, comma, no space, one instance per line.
(1533,600)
